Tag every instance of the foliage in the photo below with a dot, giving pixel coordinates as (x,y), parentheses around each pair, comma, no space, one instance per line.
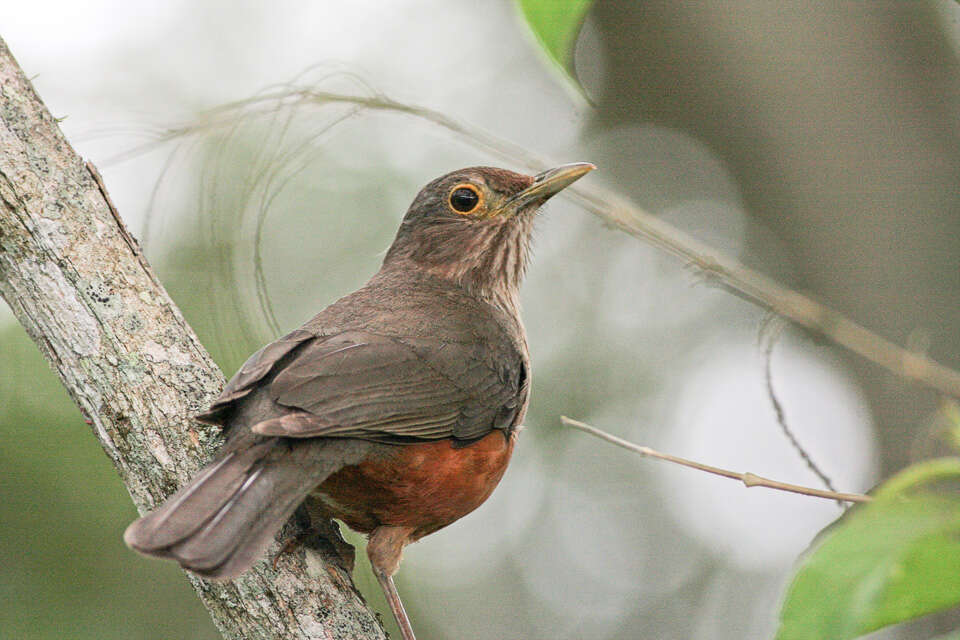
(556,24)
(886,562)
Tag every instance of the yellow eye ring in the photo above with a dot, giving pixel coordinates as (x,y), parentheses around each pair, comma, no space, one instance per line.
(465,198)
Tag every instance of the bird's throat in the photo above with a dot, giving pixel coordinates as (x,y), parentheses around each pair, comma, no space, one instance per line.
(489,261)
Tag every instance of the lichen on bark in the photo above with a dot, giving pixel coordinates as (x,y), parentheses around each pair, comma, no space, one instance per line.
(78,283)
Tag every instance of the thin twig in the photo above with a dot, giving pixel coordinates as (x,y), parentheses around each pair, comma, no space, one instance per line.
(748,479)
(621,214)
(769,341)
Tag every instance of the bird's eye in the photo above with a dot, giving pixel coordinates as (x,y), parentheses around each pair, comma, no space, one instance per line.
(464,198)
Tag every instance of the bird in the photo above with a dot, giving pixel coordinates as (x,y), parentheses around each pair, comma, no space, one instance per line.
(396,409)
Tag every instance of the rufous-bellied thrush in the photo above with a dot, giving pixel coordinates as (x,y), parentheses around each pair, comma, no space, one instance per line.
(396,407)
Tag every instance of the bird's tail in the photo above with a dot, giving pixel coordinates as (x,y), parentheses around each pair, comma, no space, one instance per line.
(221,522)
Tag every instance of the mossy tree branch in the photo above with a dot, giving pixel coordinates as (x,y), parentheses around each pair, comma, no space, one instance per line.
(77,281)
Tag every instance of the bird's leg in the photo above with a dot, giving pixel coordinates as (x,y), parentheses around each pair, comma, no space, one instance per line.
(393,598)
(385,549)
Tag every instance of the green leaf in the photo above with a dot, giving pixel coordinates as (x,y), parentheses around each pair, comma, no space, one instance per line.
(556,24)
(950,415)
(885,562)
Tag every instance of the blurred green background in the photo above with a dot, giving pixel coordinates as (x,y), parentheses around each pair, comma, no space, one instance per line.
(816,141)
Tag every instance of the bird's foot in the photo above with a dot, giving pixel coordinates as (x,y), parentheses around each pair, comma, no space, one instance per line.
(325,539)
(286,547)
(319,533)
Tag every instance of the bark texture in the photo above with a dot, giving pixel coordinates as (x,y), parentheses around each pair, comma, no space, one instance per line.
(77,281)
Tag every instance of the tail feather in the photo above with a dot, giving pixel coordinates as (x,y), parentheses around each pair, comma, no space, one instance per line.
(195,503)
(221,522)
(239,532)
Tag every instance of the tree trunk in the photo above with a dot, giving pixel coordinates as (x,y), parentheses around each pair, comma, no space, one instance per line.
(78,282)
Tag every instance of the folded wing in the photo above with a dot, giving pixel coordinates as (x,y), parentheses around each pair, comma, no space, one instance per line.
(385,389)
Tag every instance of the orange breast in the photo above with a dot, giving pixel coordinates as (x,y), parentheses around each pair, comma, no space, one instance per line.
(423,486)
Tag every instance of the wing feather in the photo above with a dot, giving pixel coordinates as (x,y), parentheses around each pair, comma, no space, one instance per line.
(252,372)
(362,385)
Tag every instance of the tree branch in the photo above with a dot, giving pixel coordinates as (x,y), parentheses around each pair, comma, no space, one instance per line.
(748,479)
(77,281)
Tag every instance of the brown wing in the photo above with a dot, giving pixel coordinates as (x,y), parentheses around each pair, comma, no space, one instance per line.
(252,372)
(362,385)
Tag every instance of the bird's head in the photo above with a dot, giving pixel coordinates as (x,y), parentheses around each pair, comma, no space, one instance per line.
(473,226)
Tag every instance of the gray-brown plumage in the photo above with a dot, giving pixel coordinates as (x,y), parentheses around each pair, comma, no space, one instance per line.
(386,405)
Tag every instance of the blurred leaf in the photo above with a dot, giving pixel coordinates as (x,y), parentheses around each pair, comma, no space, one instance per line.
(888,561)
(950,414)
(556,24)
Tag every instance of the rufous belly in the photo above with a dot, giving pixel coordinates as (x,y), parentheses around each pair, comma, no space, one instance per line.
(422,486)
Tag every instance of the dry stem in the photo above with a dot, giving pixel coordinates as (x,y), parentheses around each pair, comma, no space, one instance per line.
(748,479)
(629,218)
(619,213)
